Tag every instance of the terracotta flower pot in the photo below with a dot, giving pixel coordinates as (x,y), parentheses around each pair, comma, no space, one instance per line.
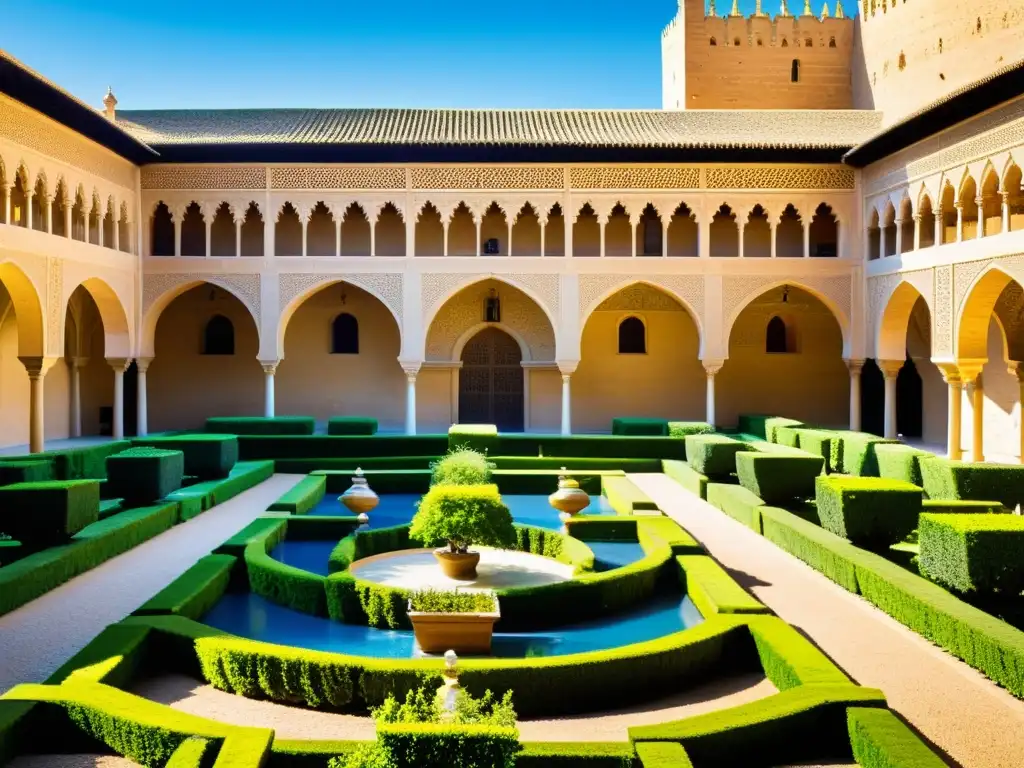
(459,632)
(458,565)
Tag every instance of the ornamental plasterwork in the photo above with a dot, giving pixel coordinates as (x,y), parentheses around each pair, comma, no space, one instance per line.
(737,291)
(687,288)
(880,289)
(26,127)
(470,177)
(54,305)
(942,314)
(437,288)
(246,288)
(338,177)
(769,177)
(386,286)
(639,298)
(204,177)
(605,177)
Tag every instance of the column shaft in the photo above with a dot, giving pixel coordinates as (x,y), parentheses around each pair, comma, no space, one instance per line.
(142,401)
(75,396)
(954,441)
(410,404)
(978,442)
(268,401)
(566,404)
(855,367)
(118,402)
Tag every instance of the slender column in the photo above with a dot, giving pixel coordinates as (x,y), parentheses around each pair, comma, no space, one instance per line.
(445,227)
(208,226)
(120,365)
(48,214)
(238,236)
(101,239)
(881,241)
(917,231)
(632,236)
(742,226)
(7,204)
(978,403)
(509,248)
(959,222)
(269,369)
(410,398)
(142,402)
(567,369)
(373,238)
(1017,370)
(807,237)
(1006,212)
(177,233)
(773,227)
(855,367)
(899,238)
(67,220)
(600,227)
(954,441)
(664,237)
(543,237)
(711,368)
(337,236)
(890,370)
(940,227)
(28,209)
(479,224)
(116,232)
(76,364)
(567,228)
(305,234)
(980,204)
(704,237)
(37,368)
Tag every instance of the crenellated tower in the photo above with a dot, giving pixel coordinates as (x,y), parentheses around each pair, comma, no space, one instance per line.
(716,60)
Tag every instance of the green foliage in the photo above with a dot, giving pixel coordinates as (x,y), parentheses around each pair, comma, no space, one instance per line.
(352,425)
(639,427)
(662,754)
(686,476)
(25,471)
(853,453)
(897,461)
(778,478)
(428,745)
(789,659)
(679,430)
(589,446)
(354,447)
(463,466)
(869,511)
(773,423)
(205,495)
(624,497)
(191,753)
(194,592)
(556,545)
(601,528)
(89,463)
(422,706)
(824,551)
(207,456)
(881,740)
(712,590)
(144,475)
(753,424)
(260,425)
(48,512)
(284,584)
(301,497)
(381,480)
(477,437)
(816,441)
(368,543)
(958,480)
(943,507)
(713,455)
(436,601)
(36,574)
(737,502)
(461,516)
(573,754)
(973,553)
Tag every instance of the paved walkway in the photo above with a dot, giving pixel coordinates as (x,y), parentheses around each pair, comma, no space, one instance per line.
(977,723)
(41,635)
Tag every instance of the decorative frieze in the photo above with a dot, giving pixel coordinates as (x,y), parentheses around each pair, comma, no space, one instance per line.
(638,177)
(386,286)
(338,177)
(54,305)
(498,177)
(204,177)
(687,289)
(772,177)
(245,287)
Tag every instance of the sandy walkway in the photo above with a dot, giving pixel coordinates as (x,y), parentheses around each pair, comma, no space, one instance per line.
(978,724)
(71,761)
(41,635)
(196,698)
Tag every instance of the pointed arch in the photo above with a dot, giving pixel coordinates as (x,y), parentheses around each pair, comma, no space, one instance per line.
(893,323)
(151,314)
(430,313)
(976,312)
(28,309)
(118,335)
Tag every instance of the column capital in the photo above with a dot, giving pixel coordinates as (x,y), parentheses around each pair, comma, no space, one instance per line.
(270,366)
(567,367)
(890,368)
(78,363)
(854,366)
(143,363)
(119,364)
(970,370)
(411,369)
(37,366)
(711,367)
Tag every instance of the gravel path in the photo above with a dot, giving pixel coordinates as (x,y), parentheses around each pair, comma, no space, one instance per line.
(977,723)
(197,698)
(71,761)
(40,636)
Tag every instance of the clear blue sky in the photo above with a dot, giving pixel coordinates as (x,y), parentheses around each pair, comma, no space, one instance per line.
(338,53)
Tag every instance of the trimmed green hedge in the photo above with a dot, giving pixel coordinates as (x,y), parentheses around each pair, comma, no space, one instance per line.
(352,425)
(897,461)
(202,496)
(973,553)
(713,455)
(637,427)
(941,507)
(679,430)
(713,590)
(192,753)
(686,476)
(25,471)
(37,574)
(872,512)
(89,463)
(816,441)
(355,447)
(753,424)
(825,552)
(436,745)
(601,528)
(381,480)
(853,453)
(194,592)
(301,497)
(261,425)
(48,512)
(207,456)
(774,423)
(573,754)
(879,739)
(778,478)
(662,754)
(478,437)
(624,497)
(958,480)
(737,502)
(144,475)
(590,446)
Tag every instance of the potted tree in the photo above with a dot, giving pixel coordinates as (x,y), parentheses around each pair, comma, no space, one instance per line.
(455,517)
(457,621)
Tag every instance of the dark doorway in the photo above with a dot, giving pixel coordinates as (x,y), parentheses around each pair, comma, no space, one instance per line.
(872,399)
(491,381)
(131,400)
(909,401)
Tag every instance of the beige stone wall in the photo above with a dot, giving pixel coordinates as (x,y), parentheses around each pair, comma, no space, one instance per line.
(811,383)
(14,392)
(1001,412)
(917,51)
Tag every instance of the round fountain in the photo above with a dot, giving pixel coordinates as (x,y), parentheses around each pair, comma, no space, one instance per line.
(360,498)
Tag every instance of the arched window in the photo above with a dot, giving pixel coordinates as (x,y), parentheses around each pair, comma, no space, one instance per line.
(345,335)
(785,43)
(713,41)
(219,336)
(776,337)
(794,71)
(632,337)
(831,42)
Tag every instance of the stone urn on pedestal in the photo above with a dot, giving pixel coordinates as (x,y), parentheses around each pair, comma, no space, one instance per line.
(569,499)
(360,498)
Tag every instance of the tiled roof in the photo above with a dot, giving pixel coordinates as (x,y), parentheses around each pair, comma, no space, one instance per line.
(710,129)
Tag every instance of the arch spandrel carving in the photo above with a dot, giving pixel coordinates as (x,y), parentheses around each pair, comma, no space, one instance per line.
(386,286)
(439,287)
(54,307)
(245,287)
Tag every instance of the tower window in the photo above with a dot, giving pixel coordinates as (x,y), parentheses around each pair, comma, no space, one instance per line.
(808,43)
(713,41)
(736,41)
(785,43)
(759,42)
(345,335)
(794,71)
(831,42)
(632,337)
(776,340)
(219,336)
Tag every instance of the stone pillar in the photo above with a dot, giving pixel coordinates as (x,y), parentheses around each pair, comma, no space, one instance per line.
(978,436)
(444,226)
(478,221)
(954,441)
(742,227)
(881,241)
(899,238)
(305,233)
(142,401)
(633,224)
(665,221)
(208,223)
(120,365)
(711,368)
(855,367)
(890,370)
(1006,212)
(772,228)
(48,214)
(807,237)
(29,197)
(115,229)
(337,236)
(509,248)
(980,203)
(7,204)
(600,228)
(75,365)
(543,237)
(917,231)
(177,231)
(959,222)
(67,220)
(37,368)
(269,369)
(410,398)
(238,236)
(373,237)
(1015,369)
(567,370)
(940,227)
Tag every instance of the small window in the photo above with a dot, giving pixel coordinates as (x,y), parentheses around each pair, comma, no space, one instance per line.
(831,42)
(776,337)
(759,42)
(632,337)
(794,71)
(491,246)
(736,41)
(808,43)
(219,336)
(785,43)
(713,41)
(345,335)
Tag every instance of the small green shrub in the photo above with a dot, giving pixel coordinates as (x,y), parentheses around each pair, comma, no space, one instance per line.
(943,507)
(686,476)
(25,471)
(461,467)
(577,754)
(352,425)
(624,496)
(879,739)
(40,514)
(737,502)
(853,453)
(302,497)
(957,480)
(973,553)
(194,592)
(462,515)
(713,455)
(871,512)
(778,478)
(900,462)
(260,425)
(144,475)
(478,437)
(207,456)
(436,601)
(818,442)
(638,426)
(681,429)
(753,424)
(713,590)
(773,423)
